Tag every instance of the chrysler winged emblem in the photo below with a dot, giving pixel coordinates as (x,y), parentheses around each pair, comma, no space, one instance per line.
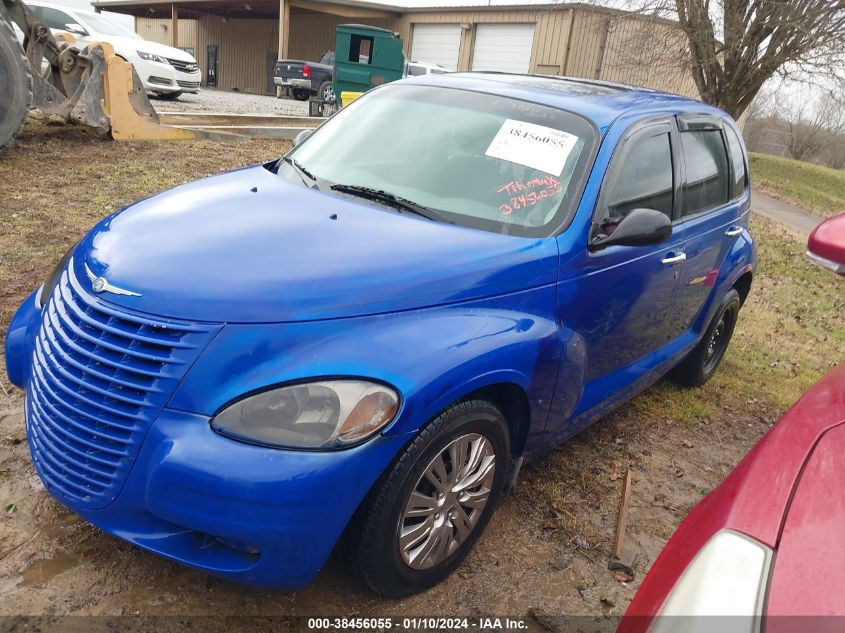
(101,284)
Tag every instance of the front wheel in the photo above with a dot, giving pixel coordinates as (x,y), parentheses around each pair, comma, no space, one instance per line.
(704,359)
(431,506)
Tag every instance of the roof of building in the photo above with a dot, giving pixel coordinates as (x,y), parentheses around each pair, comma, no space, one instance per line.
(599,101)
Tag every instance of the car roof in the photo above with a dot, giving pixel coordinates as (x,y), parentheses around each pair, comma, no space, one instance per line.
(60,7)
(602,102)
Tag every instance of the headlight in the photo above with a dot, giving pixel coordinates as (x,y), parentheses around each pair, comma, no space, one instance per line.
(53,278)
(315,415)
(727,577)
(152,58)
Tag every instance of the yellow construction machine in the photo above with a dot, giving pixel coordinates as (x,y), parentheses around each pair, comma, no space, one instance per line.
(100,90)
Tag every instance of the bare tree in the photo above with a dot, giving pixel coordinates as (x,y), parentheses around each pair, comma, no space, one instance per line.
(834,155)
(736,46)
(813,126)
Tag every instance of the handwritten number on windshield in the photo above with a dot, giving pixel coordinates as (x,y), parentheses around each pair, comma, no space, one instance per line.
(524,194)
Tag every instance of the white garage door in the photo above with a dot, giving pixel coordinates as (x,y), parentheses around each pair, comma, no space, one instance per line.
(436,44)
(503,47)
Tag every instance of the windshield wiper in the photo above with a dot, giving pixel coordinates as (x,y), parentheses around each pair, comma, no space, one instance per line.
(300,170)
(390,199)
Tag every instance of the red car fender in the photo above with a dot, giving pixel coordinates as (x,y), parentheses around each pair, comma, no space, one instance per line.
(752,500)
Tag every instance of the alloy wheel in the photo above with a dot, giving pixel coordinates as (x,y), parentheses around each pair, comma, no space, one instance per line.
(447,501)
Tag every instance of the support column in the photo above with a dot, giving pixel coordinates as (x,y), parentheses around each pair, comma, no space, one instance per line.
(174,25)
(284,28)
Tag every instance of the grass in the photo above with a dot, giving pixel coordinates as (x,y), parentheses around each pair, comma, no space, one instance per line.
(812,187)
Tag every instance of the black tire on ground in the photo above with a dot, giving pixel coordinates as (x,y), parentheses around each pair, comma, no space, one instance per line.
(701,363)
(375,534)
(16,83)
(326,91)
(169,96)
(300,94)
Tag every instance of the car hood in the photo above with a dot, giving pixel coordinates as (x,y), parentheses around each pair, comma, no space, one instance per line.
(129,46)
(249,246)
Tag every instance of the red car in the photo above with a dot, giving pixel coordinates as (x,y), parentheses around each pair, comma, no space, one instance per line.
(769,541)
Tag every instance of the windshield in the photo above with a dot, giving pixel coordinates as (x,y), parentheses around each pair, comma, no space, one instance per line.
(482,160)
(107,26)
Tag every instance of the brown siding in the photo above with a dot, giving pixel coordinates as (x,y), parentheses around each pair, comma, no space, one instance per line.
(158,30)
(645,53)
(312,34)
(243,47)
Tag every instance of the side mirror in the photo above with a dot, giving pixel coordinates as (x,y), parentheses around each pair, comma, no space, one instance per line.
(304,134)
(641,227)
(826,245)
(75,28)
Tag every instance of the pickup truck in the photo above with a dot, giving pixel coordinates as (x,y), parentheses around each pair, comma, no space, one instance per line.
(301,79)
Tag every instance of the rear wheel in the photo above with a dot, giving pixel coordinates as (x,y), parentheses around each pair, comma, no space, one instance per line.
(326,92)
(430,508)
(16,82)
(705,358)
(301,94)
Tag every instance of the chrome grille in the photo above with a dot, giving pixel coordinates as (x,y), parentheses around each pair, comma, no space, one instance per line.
(185,67)
(188,84)
(100,377)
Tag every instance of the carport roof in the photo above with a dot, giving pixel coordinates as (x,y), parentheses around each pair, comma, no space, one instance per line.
(239,8)
(270,8)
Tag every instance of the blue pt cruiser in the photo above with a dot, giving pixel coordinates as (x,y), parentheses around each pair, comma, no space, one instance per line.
(368,336)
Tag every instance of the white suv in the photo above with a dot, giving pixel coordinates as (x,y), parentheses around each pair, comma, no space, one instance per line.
(164,70)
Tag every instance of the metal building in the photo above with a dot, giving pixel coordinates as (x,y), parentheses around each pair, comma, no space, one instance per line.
(236,42)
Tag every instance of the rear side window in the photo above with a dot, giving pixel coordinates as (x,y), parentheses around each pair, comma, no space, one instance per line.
(413,69)
(738,179)
(643,178)
(706,160)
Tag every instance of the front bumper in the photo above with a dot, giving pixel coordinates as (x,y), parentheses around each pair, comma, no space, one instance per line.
(158,77)
(251,514)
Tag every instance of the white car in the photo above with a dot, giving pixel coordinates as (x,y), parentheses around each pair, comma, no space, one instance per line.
(423,68)
(164,70)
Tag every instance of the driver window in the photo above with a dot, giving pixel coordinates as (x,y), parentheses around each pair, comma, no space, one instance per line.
(56,19)
(642,176)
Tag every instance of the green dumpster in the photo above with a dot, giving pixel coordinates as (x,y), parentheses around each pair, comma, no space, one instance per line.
(365,57)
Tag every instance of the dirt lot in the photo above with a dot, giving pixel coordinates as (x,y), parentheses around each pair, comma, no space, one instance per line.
(546,550)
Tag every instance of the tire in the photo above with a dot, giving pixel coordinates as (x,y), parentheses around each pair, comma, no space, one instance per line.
(301,94)
(169,96)
(326,91)
(703,361)
(16,79)
(471,428)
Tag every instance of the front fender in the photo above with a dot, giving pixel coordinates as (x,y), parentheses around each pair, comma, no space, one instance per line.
(432,356)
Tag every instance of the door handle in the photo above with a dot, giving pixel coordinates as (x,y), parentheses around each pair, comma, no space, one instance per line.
(733,231)
(674,259)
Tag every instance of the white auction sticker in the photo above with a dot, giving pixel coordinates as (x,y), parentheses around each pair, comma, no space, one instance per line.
(537,146)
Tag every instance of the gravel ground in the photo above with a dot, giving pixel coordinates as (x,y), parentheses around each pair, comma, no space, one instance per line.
(210,100)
